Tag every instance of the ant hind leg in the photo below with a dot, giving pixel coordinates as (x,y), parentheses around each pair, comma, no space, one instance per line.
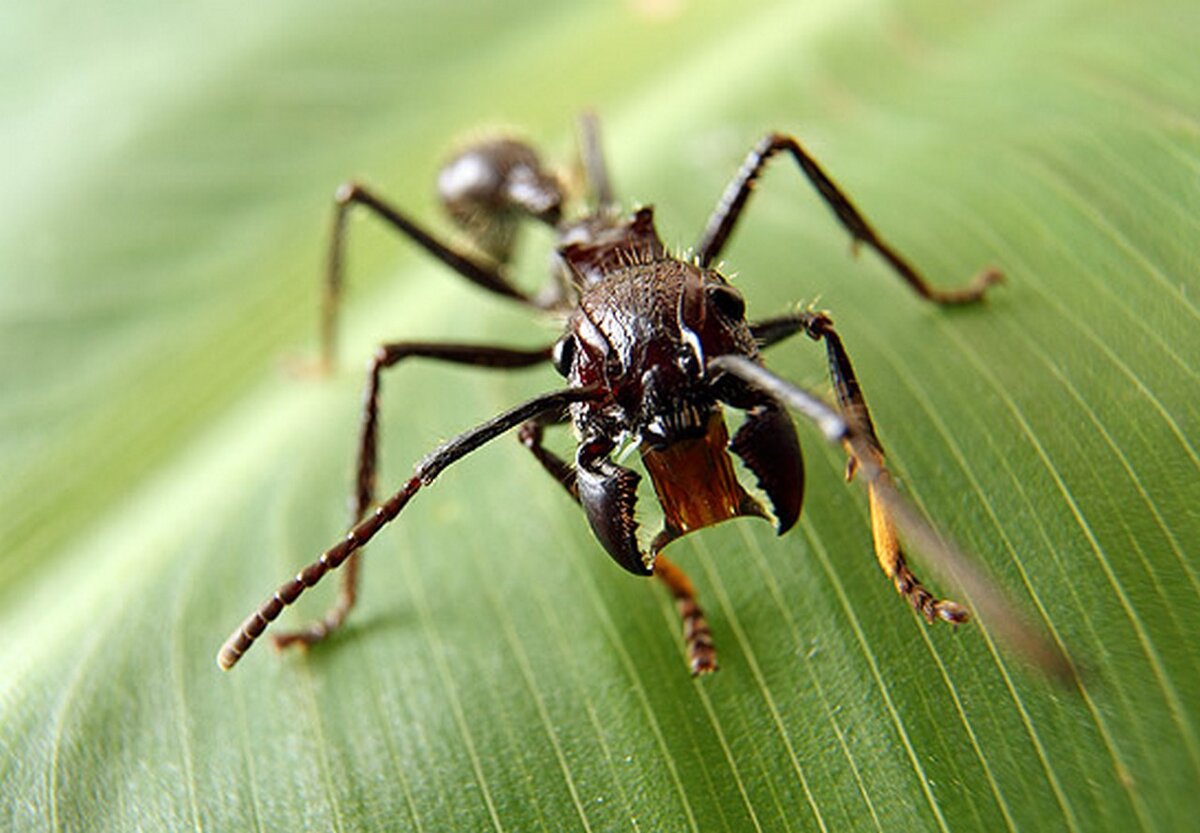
(487,189)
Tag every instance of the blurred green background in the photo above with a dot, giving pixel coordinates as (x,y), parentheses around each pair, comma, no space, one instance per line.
(167,178)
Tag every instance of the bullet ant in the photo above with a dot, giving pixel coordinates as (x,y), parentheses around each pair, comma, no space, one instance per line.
(654,346)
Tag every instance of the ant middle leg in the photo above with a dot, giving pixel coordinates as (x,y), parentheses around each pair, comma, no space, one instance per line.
(387,356)
(737,194)
(697,637)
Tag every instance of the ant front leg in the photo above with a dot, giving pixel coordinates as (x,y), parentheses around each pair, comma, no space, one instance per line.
(387,356)
(697,637)
(854,411)
(425,472)
(883,527)
(738,192)
(531,435)
(891,511)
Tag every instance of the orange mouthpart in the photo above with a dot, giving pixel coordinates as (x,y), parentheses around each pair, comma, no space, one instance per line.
(696,484)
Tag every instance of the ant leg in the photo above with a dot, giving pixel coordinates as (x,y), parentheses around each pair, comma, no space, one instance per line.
(771,331)
(352,193)
(361,533)
(387,356)
(697,637)
(701,652)
(530,435)
(867,452)
(989,602)
(737,193)
(594,165)
(883,528)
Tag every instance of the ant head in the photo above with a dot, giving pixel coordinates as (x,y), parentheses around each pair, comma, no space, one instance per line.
(703,316)
(645,334)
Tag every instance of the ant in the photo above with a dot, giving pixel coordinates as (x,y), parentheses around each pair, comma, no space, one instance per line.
(654,346)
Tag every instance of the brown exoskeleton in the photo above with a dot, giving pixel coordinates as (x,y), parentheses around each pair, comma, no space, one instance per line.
(654,346)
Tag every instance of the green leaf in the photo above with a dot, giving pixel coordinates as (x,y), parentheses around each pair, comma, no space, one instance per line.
(168,174)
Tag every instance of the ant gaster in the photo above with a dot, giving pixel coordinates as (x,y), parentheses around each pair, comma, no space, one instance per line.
(654,346)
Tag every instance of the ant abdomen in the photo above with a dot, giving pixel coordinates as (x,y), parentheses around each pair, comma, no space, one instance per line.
(490,186)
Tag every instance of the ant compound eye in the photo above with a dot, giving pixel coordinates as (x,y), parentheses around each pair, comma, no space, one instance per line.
(613,368)
(728,301)
(563,354)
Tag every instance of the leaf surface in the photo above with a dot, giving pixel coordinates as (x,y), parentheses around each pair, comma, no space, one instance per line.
(168,174)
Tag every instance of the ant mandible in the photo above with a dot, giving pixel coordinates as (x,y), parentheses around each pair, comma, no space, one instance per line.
(654,345)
